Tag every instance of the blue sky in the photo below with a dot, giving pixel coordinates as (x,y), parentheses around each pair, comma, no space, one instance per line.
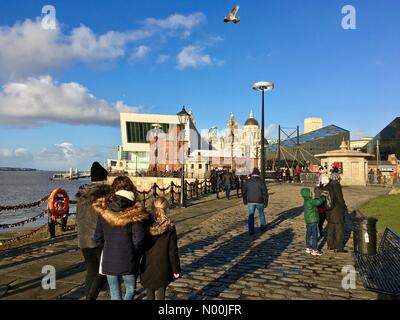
(186,55)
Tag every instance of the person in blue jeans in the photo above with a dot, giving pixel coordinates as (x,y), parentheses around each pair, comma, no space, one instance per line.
(255,196)
(120,232)
(311,218)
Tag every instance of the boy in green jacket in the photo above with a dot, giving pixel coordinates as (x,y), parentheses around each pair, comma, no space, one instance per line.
(312,218)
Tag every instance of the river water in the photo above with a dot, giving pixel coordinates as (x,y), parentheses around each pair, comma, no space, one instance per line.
(18,187)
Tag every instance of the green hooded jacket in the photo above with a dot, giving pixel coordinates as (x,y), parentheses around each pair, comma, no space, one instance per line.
(310,206)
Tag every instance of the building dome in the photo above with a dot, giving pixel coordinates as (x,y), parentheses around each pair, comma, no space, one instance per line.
(251,121)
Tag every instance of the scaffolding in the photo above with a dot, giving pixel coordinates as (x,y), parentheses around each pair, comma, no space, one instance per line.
(283,157)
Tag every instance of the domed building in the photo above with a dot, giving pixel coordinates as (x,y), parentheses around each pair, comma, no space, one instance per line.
(251,138)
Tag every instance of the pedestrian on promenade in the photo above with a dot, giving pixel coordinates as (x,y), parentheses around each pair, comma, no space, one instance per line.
(227,180)
(218,184)
(298,172)
(255,196)
(236,181)
(160,264)
(335,214)
(86,221)
(312,218)
(120,230)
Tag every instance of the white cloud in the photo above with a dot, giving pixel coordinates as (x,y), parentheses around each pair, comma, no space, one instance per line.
(194,57)
(139,53)
(29,50)
(162,58)
(9,153)
(177,22)
(37,101)
(60,156)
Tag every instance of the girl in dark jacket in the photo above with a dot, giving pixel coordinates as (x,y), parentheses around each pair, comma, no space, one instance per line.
(160,263)
(120,232)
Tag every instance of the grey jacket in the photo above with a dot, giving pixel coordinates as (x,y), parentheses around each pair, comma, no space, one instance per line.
(255,191)
(86,216)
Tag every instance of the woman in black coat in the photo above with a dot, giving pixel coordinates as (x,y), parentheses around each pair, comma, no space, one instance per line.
(160,263)
(120,231)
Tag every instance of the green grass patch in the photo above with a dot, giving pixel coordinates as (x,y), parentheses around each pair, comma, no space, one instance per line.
(386,209)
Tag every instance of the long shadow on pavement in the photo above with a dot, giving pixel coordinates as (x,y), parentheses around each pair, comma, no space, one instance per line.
(259,257)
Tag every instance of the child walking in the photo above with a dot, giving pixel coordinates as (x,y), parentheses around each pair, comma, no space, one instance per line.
(160,263)
(311,217)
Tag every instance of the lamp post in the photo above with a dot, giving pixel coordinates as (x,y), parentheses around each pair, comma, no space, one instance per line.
(183,117)
(156,127)
(263,86)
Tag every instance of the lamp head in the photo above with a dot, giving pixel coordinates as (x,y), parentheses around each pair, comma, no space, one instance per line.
(263,86)
(183,116)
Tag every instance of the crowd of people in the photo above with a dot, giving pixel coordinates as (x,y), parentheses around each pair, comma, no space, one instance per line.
(121,241)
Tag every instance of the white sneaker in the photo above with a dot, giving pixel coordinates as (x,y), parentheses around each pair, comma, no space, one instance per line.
(308,251)
(316,253)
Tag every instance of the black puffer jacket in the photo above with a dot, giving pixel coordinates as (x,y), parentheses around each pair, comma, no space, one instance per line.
(160,260)
(86,216)
(122,235)
(337,208)
(255,191)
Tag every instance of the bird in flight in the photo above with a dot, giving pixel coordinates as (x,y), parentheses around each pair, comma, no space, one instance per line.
(232,15)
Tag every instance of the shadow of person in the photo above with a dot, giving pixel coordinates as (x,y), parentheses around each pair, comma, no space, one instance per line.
(258,257)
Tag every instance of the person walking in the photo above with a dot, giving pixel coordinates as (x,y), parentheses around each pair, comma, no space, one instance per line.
(255,196)
(86,221)
(336,208)
(120,230)
(160,264)
(311,217)
(237,184)
(218,184)
(227,181)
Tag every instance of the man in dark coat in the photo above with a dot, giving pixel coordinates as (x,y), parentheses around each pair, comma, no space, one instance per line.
(86,220)
(335,214)
(255,196)
(227,179)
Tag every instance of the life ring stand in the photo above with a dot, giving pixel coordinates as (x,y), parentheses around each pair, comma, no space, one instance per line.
(58,203)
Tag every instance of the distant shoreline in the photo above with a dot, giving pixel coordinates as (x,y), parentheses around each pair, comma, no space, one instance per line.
(16,169)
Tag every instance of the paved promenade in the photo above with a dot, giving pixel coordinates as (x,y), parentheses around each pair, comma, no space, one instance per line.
(219,259)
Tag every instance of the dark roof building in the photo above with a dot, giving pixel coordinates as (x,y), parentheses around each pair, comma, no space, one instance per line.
(315,142)
(389,141)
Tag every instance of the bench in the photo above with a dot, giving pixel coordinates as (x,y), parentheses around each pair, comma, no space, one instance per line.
(381,272)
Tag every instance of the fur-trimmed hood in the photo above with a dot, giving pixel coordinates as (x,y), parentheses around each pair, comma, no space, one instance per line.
(136,213)
(159,228)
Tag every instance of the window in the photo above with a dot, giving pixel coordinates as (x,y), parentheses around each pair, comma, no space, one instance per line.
(192,166)
(136,132)
(200,166)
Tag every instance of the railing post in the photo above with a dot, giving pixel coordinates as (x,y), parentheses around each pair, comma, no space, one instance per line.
(172,193)
(155,191)
(196,185)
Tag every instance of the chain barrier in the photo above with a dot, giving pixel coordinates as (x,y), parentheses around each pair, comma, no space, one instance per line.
(23,222)
(23,206)
(23,237)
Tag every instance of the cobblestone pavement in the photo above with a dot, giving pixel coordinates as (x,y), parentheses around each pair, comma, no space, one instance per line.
(219,259)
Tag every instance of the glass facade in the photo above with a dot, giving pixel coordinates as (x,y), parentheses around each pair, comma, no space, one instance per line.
(312,143)
(136,132)
(389,141)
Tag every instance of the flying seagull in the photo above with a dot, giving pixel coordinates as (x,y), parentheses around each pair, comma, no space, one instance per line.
(232,16)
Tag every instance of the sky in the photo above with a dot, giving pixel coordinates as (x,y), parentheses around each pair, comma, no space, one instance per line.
(61,90)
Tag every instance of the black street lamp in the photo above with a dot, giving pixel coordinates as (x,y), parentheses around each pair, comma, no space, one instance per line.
(156,127)
(263,86)
(183,118)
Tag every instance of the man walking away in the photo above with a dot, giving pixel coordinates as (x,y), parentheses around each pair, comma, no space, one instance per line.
(255,195)
(227,180)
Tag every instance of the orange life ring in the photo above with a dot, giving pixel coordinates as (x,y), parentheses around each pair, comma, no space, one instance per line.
(58,203)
